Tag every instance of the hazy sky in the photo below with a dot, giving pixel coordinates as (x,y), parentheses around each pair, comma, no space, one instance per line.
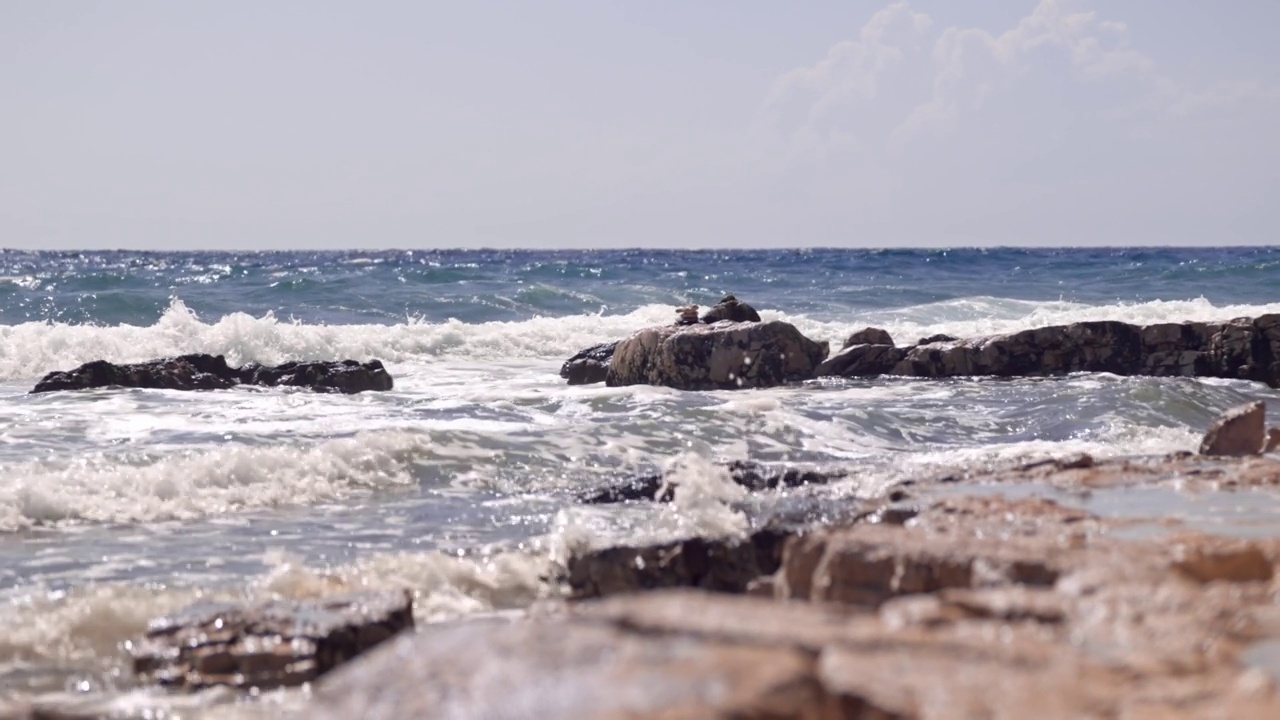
(585,123)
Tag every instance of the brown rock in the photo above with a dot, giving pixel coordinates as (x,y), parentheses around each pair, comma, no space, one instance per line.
(559,668)
(1230,561)
(1239,431)
(716,357)
(267,645)
(1273,439)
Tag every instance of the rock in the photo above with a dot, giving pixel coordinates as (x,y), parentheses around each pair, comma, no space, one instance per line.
(720,356)
(750,475)
(721,565)
(687,315)
(211,372)
(1240,431)
(940,337)
(861,361)
(870,336)
(268,645)
(347,376)
(1243,348)
(732,309)
(590,365)
(1273,439)
(575,667)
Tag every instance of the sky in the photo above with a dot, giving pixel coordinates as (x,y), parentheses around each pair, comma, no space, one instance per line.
(651,123)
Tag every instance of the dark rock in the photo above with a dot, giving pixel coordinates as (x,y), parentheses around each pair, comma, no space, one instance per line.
(732,309)
(274,644)
(862,361)
(721,565)
(211,372)
(590,365)
(721,356)
(1241,348)
(1240,431)
(870,336)
(940,337)
(750,475)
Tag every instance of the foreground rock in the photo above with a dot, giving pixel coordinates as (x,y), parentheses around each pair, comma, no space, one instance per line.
(211,372)
(1244,348)
(720,356)
(268,645)
(750,475)
(978,608)
(1237,432)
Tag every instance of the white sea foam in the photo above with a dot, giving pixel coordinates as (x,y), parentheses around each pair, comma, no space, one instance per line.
(29,350)
(81,631)
(200,483)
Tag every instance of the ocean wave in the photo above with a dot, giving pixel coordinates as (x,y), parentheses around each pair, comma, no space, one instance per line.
(198,484)
(29,350)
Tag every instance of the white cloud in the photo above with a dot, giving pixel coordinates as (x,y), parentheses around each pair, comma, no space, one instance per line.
(943,74)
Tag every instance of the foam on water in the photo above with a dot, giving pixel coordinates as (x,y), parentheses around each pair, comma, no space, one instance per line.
(195,484)
(83,631)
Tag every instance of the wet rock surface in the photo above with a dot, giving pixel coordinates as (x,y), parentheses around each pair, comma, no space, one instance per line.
(975,608)
(869,336)
(750,475)
(266,645)
(590,365)
(720,356)
(211,372)
(1244,348)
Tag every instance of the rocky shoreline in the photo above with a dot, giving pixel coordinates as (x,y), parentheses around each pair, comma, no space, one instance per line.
(946,597)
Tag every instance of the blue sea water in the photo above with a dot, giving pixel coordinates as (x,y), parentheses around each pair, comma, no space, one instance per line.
(118,505)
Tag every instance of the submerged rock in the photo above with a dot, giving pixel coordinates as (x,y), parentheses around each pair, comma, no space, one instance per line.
(721,356)
(1244,348)
(590,365)
(1240,431)
(732,309)
(211,372)
(751,475)
(268,645)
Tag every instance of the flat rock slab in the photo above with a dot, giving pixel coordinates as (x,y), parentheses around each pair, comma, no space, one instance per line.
(274,644)
(211,372)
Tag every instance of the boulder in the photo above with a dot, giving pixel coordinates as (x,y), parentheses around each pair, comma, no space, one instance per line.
(268,645)
(720,356)
(211,372)
(1240,431)
(750,475)
(590,365)
(870,336)
(862,361)
(717,564)
(732,309)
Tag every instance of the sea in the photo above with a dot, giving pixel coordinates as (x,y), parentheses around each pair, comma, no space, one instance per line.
(462,483)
